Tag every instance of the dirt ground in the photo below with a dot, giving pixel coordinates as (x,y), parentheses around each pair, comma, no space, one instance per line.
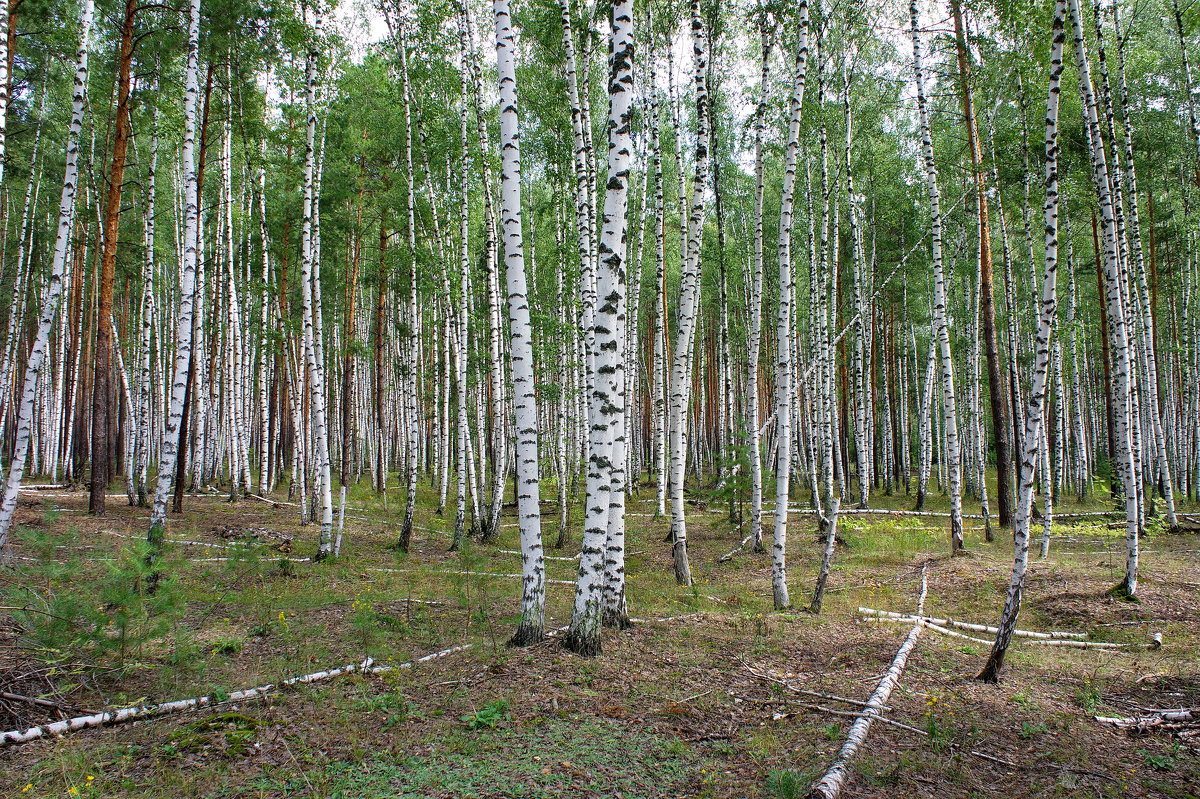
(710,694)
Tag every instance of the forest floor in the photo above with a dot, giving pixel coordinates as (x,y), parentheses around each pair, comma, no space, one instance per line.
(694,705)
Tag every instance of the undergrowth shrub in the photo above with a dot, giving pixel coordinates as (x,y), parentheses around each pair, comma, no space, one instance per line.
(67,613)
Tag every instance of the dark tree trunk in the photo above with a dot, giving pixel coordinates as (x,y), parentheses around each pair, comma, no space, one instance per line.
(987,300)
(102,393)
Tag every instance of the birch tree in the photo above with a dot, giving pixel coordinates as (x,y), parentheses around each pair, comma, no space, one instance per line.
(783,328)
(689,305)
(53,293)
(604,513)
(1038,385)
(533,578)
(940,327)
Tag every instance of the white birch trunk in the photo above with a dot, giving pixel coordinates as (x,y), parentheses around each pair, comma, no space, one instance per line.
(53,293)
(605,507)
(531,626)
(941,329)
(783,328)
(1033,418)
(1113,277)
(171,443)
(689,305)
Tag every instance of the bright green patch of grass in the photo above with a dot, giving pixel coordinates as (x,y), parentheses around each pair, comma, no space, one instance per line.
(548,758)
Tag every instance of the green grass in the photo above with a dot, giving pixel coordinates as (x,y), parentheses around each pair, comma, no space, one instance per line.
(538,760)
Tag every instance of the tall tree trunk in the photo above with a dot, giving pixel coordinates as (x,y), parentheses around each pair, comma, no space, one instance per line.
(605,515)
(102,374)
(940,325)
(309,276)
(689,305)
(783,328)
(531,626)
(412,344)
(1037,395)
(756,293)
(50,301)
(987,301)
(1119,332)
(172,441)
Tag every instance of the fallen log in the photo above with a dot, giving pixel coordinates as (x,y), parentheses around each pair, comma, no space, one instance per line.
(739,548)
(1184,721)
(831,784)
(545,557)
(966,625)
(135,712)
(932,626)
(465,574)
(110,717)
(1154,643)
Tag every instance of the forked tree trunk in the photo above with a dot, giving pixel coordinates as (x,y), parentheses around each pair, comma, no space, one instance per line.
(605,508)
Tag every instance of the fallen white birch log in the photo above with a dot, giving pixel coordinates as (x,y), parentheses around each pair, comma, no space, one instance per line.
(209,544)
(109,717)
(741,546)
(937,628)
(1166,718)
(1029,637)
(830,785)
(471,574)
(966,625)
(546,557)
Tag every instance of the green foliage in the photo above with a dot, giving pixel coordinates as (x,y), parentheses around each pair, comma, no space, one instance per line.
(546,759)
(1165,760)
(488,717)
(227,646)
(229,733)
(787,784)
(1029,730)
(72,615)
(939,724)
(1088,696)
(393,705)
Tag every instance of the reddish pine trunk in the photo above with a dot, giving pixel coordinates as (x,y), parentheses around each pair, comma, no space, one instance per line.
(102,376)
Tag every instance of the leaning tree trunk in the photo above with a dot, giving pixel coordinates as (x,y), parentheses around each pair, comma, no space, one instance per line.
(1037,393)
(53,292)
(531,626)
(606,406)
(941,327)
